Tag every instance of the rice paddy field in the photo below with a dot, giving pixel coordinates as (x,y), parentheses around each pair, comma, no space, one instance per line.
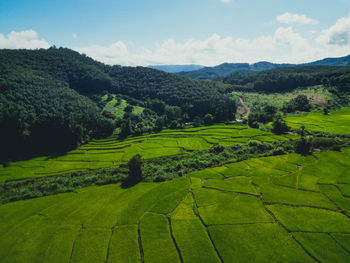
(337,122)
(275,209)
(111,151)
(287,208)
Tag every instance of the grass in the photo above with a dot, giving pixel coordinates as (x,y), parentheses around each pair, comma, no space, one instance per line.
(117,107)
(157,242)
(337,122)
(236,212)
(112,152)
(257,243)
(323,247)
(124,245)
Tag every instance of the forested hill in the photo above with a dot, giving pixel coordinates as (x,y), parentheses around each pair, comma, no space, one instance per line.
(290,78)
(343,61)
(229,68)
(46,105)
(226,69)
(176,68)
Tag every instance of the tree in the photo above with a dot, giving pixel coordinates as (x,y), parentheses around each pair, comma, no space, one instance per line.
(208,119)
(129,108)
(135,168)
(304,146)
(279,126)
(325,111)
(125,129)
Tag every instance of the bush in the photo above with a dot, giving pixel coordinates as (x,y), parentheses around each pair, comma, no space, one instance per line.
(208,119)
(304,146)
(216,148)
(279,126)
(279,151)
(135,168)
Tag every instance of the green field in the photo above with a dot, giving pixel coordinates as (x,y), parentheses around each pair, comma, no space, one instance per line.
(117,107)
(274,209)
(111,151)
(337,122)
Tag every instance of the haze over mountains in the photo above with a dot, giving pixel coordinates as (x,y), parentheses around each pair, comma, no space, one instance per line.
(226,69)
(176,68)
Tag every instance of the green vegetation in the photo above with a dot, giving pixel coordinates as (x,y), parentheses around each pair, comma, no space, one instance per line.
(110,152)
(117,106)
(191,219)
(57,96)
(337,122)
(75,187)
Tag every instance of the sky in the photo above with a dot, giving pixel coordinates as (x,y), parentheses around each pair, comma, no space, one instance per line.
(167,32)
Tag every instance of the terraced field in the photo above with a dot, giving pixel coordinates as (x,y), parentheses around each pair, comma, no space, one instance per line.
(118,108)
(337,122)
(111,151)
(274,209)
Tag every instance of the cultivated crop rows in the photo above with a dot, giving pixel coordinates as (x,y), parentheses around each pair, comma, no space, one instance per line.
(275,209)
(111,152)
(337,122)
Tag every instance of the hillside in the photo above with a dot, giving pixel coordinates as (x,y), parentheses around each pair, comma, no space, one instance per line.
(289,78)
(343,61)
(42,90)
(229,68)
(226,69)
(176,68)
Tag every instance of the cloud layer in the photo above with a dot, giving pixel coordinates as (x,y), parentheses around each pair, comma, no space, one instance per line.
(289,19)
(25,39)
(284,45)
(339,34)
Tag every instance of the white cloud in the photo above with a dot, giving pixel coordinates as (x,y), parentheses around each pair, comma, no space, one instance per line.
(284,45)
(338,34)
(288,18)
(75,36)
(226,1)
(24,39)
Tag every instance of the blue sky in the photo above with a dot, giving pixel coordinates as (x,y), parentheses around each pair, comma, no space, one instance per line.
(208,32)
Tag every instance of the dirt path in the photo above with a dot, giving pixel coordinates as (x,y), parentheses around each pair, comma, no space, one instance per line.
(243,110)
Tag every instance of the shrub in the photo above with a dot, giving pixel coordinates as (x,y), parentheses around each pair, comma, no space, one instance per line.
(279,151)
(135,168)
(279,126)
(216,148)
(304,146)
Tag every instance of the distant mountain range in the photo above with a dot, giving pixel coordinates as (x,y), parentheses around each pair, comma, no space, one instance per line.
(226,69)
(176,68)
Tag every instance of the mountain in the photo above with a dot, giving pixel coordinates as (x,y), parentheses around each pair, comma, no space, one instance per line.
(342,61)
(226,69)
(51,100)
(286,79)
(176,68)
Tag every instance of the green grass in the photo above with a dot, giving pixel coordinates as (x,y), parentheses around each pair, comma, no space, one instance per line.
(257,243)
(91,245)
(244,218)
(124,245)
(323,247)
(337,122)
(157,242)
(118,108)
(109,152)
(310,219)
